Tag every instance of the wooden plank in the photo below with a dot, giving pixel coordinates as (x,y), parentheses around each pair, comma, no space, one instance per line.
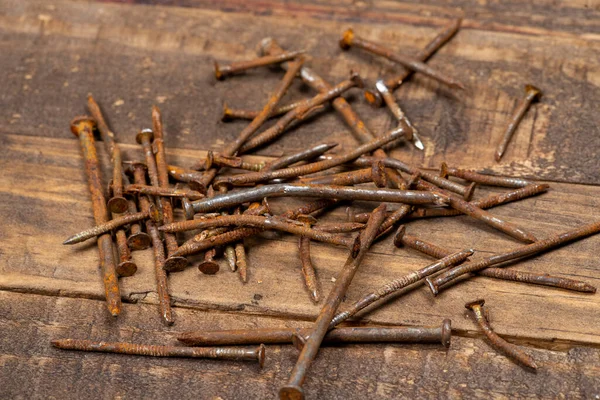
(470,368)
(56,55)
(52,203)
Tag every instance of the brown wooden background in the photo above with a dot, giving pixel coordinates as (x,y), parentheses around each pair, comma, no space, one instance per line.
(131,56)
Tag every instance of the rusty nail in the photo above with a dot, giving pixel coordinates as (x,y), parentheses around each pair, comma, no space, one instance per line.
(349,39)
(308,270)
(107,227)
(117,203)
(356,125)
(531,93)
(400,283)
(189,176)
(497,342)
(398,334)
(233,147)
(222,71)
(483,179)
(221,353)
(373,96)
(126,266)
(137,239)
(293,388)
(301,112)
(82,127)
(209,266)
(520,252)
(412,134)
(231,114)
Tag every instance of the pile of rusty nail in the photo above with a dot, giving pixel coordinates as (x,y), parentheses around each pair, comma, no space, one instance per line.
(224,211)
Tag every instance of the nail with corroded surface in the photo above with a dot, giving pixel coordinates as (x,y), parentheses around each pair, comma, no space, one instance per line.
(497,342)
(293,172)
(209,266)
(483,179)
(436,251)
(83,127)
(490,201)
(301,112)
(399,284)
(189,176)
(352,120)
(373,96)
(233,147)
(137,239)
(163,191)
(531,93)
(293,388)
(139,177)
(221,353)
(126,266)
(231,114)
(109,226)
(241,262)
(117,203)
(349,39)
(222,71)
(520,252)
(399,334)
(308,270)
(399,114)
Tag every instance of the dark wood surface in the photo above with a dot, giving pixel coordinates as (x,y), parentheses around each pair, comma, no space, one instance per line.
(131,56)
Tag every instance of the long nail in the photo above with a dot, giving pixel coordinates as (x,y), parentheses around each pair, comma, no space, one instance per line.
(201,243)
(233,147)
(483,179)
(398,284)
(331,192)
(531,93)
(222,71)
(293,172)
(137,239)
(309,274)
(293,388)
(490,201)
(300,113)
(220,353)
(497,342)
(350,39)
(107,227)
(399,114)
(352,120)
(520,252)
(163,191)
(400,334)
(117,203)
(241,262)
(436,251)
(373,96)
(126,266)
(350,178)
(82,127)
(144,138)
(465,191)
(231,114)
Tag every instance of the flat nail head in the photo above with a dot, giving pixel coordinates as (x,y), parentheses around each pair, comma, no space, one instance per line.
(444,170)
(175,264)
(226,113)
(475,304)
(346,40)
(434,289)
(208,267)
(469,192)
(218,73)
(139,241)
(118,204)
(533,91)
(79,122)
(144,133)
(291,392)
(126,268)
(446,332)
(399,235)
(188,209)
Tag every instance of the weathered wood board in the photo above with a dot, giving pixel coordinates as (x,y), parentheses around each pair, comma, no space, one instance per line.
(133,56)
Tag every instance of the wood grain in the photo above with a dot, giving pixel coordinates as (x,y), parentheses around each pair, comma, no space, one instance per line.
(469,369)
(56,55)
